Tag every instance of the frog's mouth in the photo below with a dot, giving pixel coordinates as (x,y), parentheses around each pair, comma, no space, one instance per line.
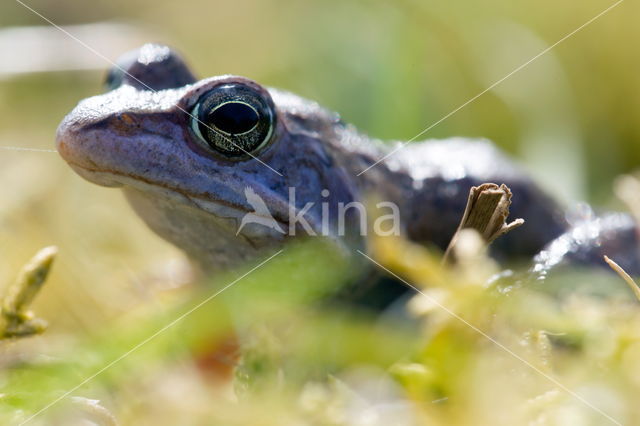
(110,161)
(84,166)
(99,177)
(222,209)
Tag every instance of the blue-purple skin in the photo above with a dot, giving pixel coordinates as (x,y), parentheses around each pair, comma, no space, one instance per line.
(138,136)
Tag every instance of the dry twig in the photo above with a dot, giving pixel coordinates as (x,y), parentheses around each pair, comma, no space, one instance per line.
(486,212)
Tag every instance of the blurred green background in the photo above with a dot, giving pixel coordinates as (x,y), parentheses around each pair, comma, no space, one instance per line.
(391,68)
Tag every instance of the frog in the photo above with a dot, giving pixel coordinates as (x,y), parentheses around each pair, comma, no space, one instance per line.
(190,155)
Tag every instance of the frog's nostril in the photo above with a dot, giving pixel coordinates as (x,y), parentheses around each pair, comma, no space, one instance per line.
(65,140)
(126,118)
(61,147)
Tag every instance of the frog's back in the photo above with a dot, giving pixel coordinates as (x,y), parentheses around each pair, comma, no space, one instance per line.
(444,170)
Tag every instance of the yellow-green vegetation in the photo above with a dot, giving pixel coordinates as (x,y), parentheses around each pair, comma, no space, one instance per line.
(17,319)
(506,353)
(483,349)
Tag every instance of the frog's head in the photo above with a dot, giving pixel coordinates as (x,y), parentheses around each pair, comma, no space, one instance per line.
(194,157)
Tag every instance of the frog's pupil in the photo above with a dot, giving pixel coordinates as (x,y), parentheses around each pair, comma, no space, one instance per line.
(234,118)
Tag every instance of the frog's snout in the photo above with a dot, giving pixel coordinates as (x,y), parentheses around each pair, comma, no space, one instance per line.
(80,149)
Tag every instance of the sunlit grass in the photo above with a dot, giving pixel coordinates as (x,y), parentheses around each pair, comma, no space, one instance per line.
(485,352)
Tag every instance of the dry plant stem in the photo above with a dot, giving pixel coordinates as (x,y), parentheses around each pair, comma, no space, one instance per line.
(18,321)
(623,274)
(487,211)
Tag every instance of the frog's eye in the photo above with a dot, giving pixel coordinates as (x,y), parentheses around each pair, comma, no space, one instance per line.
(151,67)
(233,119)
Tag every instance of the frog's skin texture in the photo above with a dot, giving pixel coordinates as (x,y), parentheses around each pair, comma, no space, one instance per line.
(138,136)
